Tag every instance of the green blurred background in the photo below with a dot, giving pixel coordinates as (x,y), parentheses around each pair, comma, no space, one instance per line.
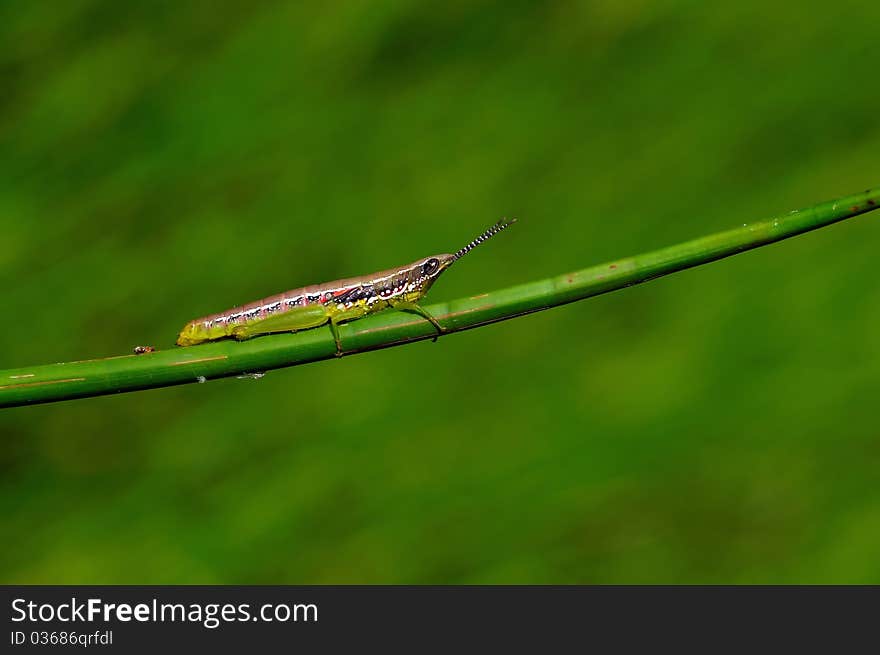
(163,161)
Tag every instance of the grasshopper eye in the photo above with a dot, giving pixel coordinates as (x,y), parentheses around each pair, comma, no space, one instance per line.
(430,267)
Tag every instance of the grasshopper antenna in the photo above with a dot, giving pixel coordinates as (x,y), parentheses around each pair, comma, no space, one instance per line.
(485,236)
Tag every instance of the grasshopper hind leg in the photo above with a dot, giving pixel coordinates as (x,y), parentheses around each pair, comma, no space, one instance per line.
(336,318)
(293,320)
(334,328)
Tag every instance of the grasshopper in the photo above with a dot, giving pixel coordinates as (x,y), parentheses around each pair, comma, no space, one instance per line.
(334,302)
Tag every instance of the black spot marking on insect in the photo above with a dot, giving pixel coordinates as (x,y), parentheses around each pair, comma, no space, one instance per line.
(386,288)
(351,295)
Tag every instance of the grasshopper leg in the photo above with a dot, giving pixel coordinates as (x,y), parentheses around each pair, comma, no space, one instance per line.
(334,328)
(293,320)
(415,308)
(343,316)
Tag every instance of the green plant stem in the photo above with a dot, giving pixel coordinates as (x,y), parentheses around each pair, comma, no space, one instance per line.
(53,382)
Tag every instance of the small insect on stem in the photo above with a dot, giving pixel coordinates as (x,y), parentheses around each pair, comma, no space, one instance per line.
(334,302)
(143,350)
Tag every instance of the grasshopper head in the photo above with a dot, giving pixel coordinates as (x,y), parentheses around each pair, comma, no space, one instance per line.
(429,269)
(426,271)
